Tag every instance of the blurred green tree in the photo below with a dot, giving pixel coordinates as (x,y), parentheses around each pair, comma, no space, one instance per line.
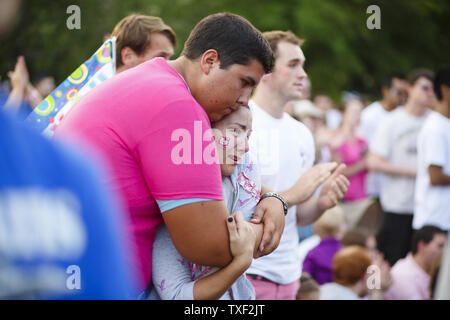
(342,53)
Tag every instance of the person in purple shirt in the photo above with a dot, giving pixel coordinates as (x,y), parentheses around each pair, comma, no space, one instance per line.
(319,261)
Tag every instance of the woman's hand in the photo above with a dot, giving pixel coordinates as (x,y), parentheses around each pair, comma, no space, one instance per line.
(242,238)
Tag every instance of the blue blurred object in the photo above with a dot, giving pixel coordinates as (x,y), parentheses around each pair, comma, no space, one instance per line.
(304,232)
(3,96)
(61,233)
(25,108)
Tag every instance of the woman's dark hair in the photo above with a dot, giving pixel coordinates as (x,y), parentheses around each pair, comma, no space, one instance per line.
(235,39)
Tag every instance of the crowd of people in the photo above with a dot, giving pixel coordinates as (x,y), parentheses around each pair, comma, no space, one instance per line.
(217,176)
(391,156)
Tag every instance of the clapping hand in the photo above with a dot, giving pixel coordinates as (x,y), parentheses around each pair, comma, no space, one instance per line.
(334,189)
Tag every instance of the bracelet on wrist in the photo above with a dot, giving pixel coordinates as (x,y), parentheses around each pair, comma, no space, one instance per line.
(276,195)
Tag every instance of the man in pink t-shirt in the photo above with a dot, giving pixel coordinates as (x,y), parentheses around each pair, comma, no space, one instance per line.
(151,125)
(411,275)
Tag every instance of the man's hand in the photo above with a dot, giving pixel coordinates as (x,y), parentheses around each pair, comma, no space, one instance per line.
(19,77)
(333,190)
(308,183)
(270,212)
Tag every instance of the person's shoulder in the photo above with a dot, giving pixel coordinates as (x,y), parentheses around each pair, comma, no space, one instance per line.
(154,68)
(431,121)
(393,118)
(372,108)
(433,126)
(330,291)
(436,121)
(253,106)
(288,119)
(330,286)
(404,268)
(260,117)
(314,251)
(404,282)
(296,125)
(154,79)
(396,113)
(169,96)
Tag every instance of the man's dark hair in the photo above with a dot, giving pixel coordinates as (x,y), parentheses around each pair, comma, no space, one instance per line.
(420,73)
(235,39)
(442,78)
(426,235)
(388,79)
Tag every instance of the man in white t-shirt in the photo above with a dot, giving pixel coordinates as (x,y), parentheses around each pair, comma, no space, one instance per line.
(432,197)
(393,151)
(394,91)
(284,149)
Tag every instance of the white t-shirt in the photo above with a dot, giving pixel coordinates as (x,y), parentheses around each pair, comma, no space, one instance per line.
(371,117)
(284,150)
(432,203)
(335,291)
(396,141)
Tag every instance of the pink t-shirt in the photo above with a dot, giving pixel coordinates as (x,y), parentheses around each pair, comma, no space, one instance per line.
(409,281)
(155,138)
(351,153)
